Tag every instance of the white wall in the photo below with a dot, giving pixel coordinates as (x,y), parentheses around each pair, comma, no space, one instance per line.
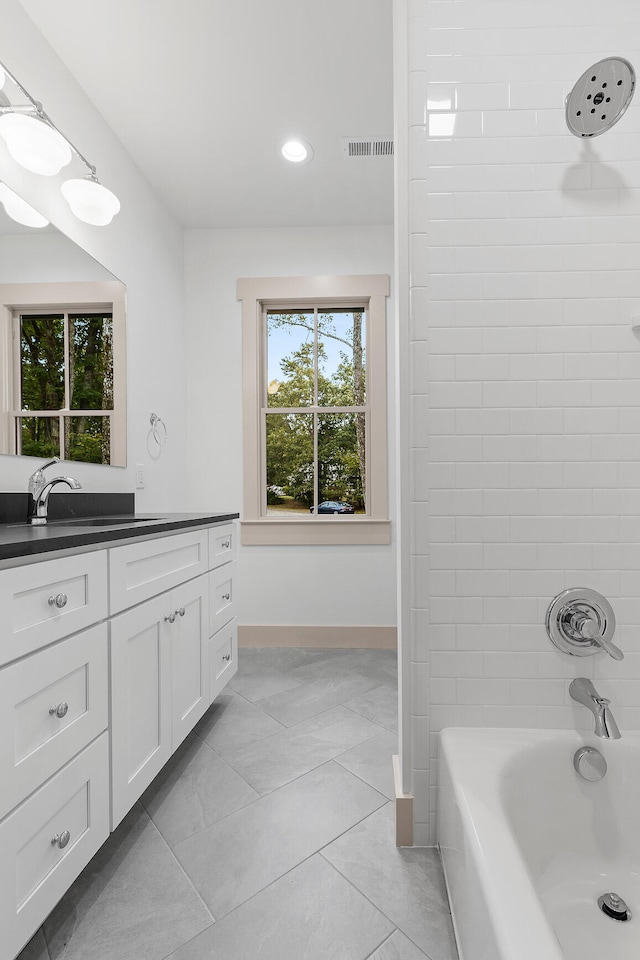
(525,272)
(142,247)
(280,585)
(46,257)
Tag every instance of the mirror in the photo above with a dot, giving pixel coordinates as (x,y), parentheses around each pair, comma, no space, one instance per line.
(62,349)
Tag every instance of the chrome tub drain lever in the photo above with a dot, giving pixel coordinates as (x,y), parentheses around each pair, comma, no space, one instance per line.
(614,907)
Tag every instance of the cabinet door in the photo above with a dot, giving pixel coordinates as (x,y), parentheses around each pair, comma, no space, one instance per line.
(189,657)
(140,700)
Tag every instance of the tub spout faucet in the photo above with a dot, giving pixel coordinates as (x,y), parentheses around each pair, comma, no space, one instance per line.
(39,490)
(584,692)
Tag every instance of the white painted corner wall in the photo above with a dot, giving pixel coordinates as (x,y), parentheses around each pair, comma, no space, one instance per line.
(143,247)
(525,382)
(343,586)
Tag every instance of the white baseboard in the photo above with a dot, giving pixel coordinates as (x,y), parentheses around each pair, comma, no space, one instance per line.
(270,635)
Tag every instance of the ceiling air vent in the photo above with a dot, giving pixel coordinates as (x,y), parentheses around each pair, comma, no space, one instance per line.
(353,149)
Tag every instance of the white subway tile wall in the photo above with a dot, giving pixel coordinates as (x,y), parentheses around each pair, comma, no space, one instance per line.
(525,277)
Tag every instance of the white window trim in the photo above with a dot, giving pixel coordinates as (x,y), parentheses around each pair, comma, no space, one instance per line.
(256,293)
(87,295)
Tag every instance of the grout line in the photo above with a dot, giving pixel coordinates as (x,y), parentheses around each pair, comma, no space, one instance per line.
(380,945)
(44,939)
(183,871)
(304,859)
(376,905)
(361,779)
(383,801)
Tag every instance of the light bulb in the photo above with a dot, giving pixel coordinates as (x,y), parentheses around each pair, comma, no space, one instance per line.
(19,210)
(297,151)
(90,201)
(34,144)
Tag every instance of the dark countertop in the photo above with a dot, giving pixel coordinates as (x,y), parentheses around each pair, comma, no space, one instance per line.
(23,541)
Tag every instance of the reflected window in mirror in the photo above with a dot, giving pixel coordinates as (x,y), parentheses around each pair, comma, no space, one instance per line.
(66,363)
(63,373)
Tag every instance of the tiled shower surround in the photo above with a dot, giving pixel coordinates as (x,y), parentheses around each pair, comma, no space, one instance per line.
(525,385)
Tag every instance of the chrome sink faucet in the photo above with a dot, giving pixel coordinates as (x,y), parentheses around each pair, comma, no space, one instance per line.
(39,490)
(583,691)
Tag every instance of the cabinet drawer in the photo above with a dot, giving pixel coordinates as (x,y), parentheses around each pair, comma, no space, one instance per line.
(139,571)
(43,602)
(35,868)
(52,704)
(223,544)
(222,595)
(223,658)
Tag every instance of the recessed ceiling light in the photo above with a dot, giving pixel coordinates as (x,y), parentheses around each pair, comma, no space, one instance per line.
(297,151)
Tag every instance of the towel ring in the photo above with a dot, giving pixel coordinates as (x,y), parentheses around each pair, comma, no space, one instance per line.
(158,429)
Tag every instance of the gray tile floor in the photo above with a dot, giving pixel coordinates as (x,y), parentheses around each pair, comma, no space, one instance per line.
(268,835)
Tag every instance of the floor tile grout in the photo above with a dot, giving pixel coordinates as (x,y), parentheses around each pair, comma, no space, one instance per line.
(380,945)
(194,793)
(373,904)
(191,884)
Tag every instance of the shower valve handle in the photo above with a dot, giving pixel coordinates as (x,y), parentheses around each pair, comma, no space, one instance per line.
(589,629)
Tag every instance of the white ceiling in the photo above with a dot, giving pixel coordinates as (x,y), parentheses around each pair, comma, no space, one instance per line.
(203,93)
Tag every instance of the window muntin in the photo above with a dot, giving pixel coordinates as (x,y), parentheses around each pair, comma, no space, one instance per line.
(315,361)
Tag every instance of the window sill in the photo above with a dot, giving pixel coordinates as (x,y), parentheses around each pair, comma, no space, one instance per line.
(328,531)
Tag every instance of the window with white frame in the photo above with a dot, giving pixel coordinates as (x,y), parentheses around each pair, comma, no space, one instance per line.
(63,377)
(314,388)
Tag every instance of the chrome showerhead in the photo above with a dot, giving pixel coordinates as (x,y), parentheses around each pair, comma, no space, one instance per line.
(600,97)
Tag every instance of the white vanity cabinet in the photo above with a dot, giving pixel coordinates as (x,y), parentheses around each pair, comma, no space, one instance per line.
(108,659)
(54,749)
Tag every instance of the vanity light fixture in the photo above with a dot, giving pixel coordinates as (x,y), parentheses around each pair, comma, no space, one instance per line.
(34,141)
(19,210)
(297,151)
(33,144)
(90,201)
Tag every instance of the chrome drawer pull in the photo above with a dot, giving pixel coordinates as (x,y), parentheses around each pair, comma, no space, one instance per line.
(171,618)
(226,656)
(226,596)
(61,839)
(226,544)
(59,601)
(60,710)
(181,611)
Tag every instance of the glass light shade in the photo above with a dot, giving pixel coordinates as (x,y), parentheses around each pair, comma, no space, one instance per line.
(19,210)
(297,151)
(90,201)
(34,144)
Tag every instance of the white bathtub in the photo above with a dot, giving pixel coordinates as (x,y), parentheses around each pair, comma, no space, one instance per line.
(528,846)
